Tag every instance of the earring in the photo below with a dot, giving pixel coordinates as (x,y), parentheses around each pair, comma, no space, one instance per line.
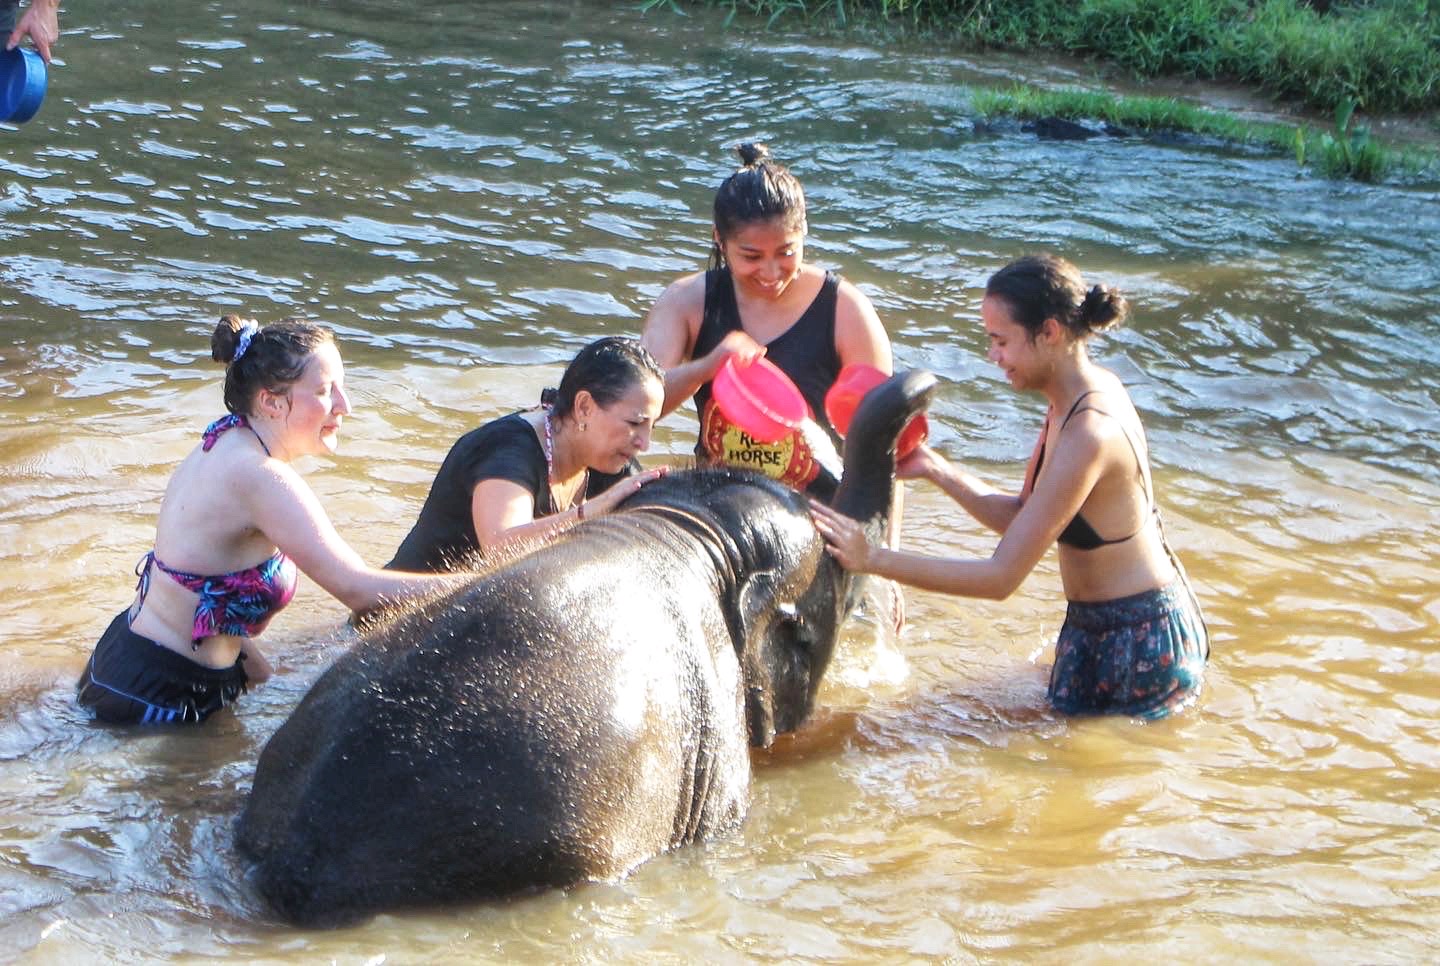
(582,427)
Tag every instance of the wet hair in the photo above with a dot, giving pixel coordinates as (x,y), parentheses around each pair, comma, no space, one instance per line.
(273,358)
(1040,287)
(761,190)
(607,368)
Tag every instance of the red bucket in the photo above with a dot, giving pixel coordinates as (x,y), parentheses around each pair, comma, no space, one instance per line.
(759,398)
(844,397)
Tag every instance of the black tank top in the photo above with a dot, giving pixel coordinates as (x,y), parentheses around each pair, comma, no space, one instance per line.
(805,352)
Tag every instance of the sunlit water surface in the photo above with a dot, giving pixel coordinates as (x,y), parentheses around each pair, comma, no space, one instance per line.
(468,192)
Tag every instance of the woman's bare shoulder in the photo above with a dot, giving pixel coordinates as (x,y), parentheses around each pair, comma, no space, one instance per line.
(686,290)
(675,317)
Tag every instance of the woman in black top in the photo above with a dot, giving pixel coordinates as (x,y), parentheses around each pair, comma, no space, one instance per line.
(760,297)
(530,474)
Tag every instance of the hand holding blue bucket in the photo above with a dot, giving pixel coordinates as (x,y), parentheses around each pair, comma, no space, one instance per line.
(22,84)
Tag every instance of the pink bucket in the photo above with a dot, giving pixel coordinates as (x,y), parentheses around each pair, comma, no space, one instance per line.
(759,398)
(844,397)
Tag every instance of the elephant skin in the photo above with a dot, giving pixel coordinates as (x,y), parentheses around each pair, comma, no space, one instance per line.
(574,712)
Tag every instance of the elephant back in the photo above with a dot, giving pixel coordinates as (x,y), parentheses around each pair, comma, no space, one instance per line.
(506,737)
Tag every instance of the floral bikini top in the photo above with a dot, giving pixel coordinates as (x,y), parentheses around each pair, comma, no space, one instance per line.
(239,603)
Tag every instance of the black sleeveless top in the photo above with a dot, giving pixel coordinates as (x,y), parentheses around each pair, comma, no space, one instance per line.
(444,537)
(805,352)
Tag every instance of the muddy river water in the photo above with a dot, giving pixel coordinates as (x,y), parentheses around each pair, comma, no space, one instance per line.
(468,192)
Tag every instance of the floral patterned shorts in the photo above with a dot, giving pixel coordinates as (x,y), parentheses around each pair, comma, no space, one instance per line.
(1142,655)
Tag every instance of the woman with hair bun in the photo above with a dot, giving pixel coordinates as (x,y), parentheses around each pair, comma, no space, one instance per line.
(1133,642)
(528,475)
(235,525)
(760,297)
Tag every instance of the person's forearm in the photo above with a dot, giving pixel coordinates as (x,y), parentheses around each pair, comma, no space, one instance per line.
(966,578)
(682,380)
(982,501)
(373,588)
(537,529)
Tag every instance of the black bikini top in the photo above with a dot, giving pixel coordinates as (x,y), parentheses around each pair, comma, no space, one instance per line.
(1078,533)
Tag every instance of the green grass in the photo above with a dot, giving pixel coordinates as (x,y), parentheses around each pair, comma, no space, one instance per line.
(1383,56)
(1345,151)
(1142,113)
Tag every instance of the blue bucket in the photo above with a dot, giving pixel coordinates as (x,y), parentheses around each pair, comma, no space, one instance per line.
(22,84)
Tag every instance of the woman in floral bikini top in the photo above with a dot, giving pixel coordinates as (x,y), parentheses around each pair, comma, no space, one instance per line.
(185,647)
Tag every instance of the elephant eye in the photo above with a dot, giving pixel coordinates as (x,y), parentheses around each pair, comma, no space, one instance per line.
(794,628)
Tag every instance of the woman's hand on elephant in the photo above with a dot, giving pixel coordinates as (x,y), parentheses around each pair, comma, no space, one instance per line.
(845,538)
(607,501)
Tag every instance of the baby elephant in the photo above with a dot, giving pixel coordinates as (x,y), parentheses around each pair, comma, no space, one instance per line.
(574,712)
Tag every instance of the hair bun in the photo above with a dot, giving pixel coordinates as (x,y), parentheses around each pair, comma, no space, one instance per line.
(1104,308)
(226,338)
(548,395)
(752,153)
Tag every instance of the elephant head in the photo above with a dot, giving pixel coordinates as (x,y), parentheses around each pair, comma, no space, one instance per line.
(790,597)
(781,595)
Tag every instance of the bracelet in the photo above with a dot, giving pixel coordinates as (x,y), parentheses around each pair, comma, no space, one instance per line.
(580,512)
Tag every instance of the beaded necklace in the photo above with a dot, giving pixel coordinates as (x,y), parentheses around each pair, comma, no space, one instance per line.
(550,470)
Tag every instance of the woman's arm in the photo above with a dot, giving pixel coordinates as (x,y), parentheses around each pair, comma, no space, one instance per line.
(286,510)
(859,335)
(989,506)
(1058,496)
(670,332)
(504,511)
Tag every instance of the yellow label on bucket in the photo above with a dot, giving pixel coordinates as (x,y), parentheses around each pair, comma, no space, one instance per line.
(788,460)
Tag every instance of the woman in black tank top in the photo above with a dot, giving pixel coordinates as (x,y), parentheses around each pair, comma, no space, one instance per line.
(1133,641)
(760,297)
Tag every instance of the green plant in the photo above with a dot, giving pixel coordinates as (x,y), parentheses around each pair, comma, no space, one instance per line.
(1384,54)
(1350,151)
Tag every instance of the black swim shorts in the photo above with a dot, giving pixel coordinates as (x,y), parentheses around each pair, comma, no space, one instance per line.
(132,680)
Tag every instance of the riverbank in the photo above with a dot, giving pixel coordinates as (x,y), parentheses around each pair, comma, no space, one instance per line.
(1345,150)
(1382,55)
(1353,90)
